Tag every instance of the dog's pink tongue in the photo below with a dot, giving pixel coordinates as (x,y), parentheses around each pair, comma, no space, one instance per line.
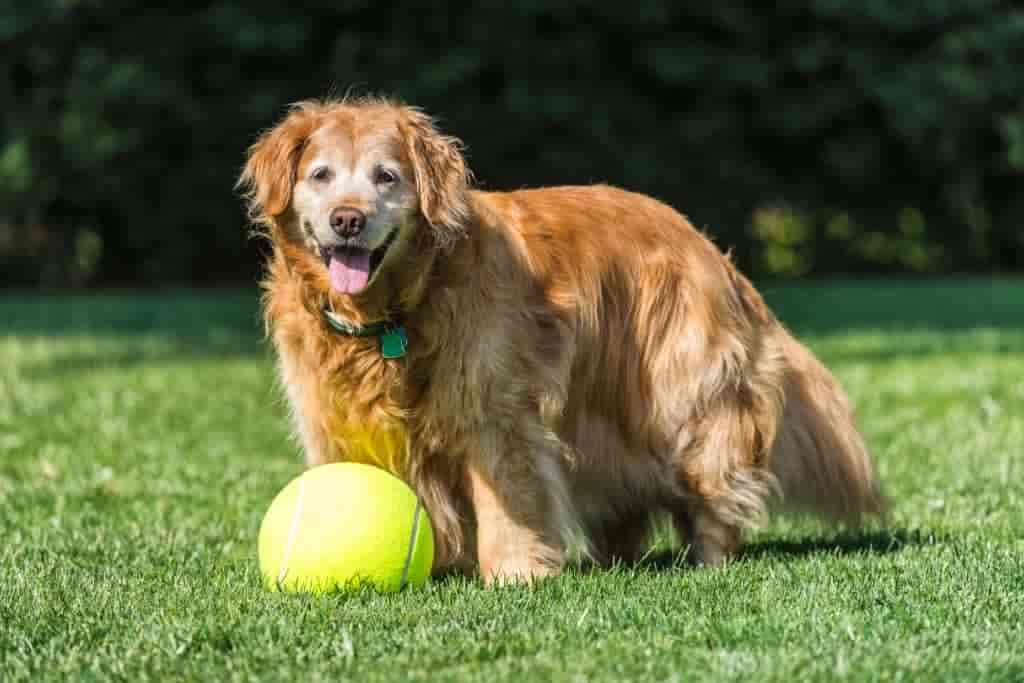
(349,270)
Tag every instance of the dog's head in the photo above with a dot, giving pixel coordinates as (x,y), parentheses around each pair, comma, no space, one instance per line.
(353,185)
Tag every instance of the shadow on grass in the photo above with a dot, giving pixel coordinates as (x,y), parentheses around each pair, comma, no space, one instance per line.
(881,542)
(920,344)
(896,320)
(949,305)
(915,317)
(131,354)
(187,313)
(125,330)
(912,319)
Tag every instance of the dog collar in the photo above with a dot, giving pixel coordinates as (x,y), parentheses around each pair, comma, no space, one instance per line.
(393,340)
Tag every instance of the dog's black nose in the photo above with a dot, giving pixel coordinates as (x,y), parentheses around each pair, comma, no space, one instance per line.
(347,222)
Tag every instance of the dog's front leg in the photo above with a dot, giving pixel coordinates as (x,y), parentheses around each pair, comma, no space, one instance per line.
(519,502)
(308,400)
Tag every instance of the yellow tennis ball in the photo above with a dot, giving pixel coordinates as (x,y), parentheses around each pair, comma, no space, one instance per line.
(342,526)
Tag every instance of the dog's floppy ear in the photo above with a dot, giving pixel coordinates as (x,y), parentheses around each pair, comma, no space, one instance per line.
(269,173)
(442,179)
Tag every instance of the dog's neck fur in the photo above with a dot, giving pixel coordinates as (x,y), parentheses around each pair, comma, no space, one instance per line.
(412,288)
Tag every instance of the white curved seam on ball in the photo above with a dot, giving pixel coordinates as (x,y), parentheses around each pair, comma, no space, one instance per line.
(412,544)
(293,531)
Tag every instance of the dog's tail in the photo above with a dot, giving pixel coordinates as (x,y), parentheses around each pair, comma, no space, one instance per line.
(819,457)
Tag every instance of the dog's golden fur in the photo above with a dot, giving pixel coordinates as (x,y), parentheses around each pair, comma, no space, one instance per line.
(580,358)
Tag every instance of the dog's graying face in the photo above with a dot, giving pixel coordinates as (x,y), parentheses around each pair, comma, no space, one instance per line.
(353,182)
(354,197)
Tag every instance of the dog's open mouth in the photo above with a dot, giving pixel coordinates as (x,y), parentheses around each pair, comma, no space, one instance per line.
(351,268)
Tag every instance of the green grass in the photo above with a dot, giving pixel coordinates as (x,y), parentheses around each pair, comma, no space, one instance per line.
(141,439)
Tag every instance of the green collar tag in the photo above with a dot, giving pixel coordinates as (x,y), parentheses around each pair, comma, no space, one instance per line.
(394,342)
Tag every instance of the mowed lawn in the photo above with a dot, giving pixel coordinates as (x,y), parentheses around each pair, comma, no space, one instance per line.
(142,437)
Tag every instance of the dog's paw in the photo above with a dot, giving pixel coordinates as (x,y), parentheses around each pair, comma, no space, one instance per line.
(516,571)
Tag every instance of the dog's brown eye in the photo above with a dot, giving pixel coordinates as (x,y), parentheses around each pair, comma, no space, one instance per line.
(383,176)
(322,173)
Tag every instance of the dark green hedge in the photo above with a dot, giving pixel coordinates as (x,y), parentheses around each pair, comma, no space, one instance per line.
(810,136)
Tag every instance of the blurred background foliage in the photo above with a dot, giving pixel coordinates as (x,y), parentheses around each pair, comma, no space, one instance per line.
(808,136)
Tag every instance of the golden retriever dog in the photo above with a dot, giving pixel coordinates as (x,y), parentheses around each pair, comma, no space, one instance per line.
(547,368)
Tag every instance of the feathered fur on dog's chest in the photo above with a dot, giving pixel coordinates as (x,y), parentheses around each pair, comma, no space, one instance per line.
(384,444)
(360,416)
(347,398)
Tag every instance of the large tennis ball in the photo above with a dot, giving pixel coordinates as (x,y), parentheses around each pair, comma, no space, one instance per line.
(342,526)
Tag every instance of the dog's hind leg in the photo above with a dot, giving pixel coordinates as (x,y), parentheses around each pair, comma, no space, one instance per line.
(622,539)
(719,450)
(725,482)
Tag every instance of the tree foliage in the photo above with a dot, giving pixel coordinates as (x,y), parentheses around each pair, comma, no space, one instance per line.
(809,136)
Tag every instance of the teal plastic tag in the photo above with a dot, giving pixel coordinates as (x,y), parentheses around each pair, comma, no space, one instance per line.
(393,343)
